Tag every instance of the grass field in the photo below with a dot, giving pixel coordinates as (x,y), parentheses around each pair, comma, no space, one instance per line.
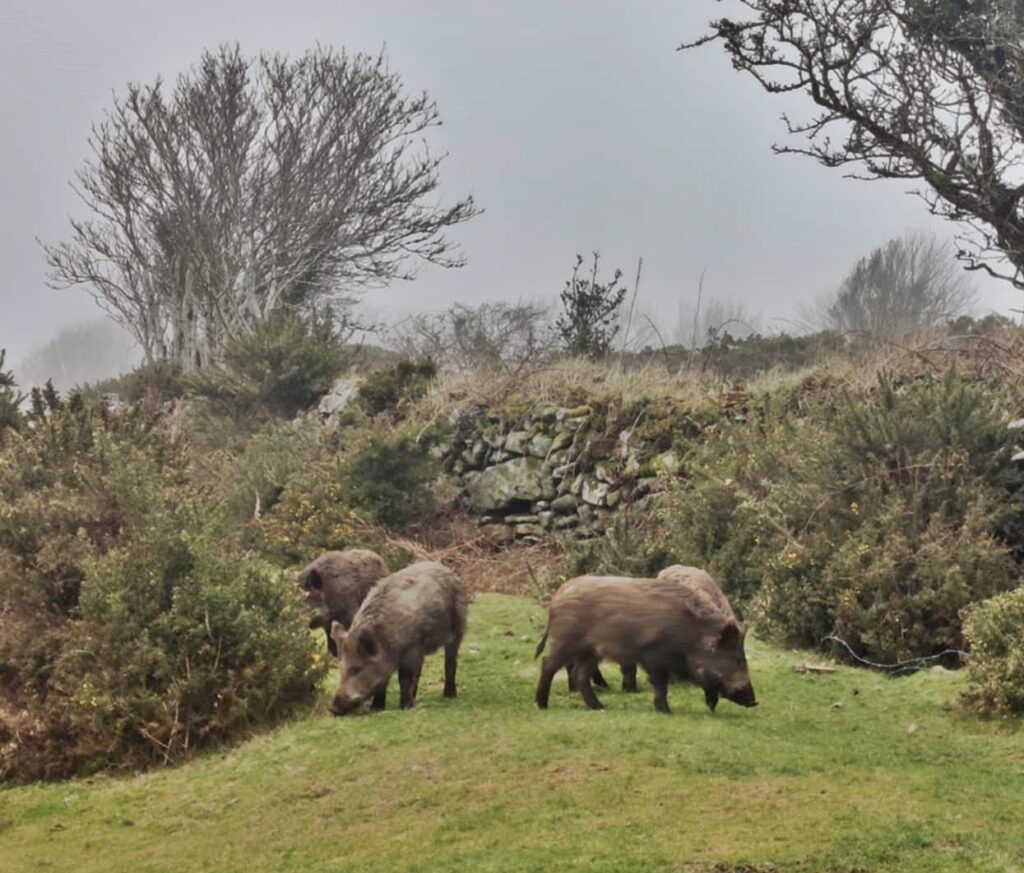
(842,772)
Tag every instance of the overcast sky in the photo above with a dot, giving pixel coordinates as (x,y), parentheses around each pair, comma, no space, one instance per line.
(575,125)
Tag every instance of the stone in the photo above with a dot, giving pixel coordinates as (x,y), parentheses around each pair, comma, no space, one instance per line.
(577,485)
(516,442)
(342,393)
(546,518)
(539,445)
(497,487)
(475,454)
(493,437)
(546,412)
(631,469)
(548,488)
(459,467)
(667,463)
(561,440)
(522,519)
(604,473)
(564,522)
(528,530)
(582,411)
(498,534)
(594,492)
(565,503)
(541,506)
(612,499)
(585,513)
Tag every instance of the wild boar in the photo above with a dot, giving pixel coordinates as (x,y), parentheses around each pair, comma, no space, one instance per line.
(700,582)
(404,618)
(336,584)
(665,627)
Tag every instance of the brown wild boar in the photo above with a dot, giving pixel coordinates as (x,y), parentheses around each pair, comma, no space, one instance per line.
(699,581)
(404,618)
(665,627)
(703,584)
(336,584)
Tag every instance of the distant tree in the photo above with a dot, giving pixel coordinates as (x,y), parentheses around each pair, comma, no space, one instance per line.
(10,398)
(507,337)
(907,89)
(254,184)
(81,354)
(714,318)
(588,323)
(910,282)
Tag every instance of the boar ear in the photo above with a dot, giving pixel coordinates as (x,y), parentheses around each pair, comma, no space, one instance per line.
(314,580)
(730,636)
(366,644)
(338,633)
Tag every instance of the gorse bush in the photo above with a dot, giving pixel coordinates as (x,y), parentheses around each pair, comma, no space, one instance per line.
(994,629)
(282,366)
(876,517)
(378,480)
(134,632)
(393,389)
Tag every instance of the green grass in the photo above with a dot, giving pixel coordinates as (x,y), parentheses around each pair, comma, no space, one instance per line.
(841,772)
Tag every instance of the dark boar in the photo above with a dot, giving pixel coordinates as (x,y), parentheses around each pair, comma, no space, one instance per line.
(667,628)
(405,617)
(336,584)
(702,584)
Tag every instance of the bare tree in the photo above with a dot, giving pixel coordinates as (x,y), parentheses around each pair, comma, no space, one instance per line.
(509,337)
(696,327)
(910,282)
(251,185)
(907,89)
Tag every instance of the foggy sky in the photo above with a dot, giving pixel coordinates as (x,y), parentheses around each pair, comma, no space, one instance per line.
(575,125)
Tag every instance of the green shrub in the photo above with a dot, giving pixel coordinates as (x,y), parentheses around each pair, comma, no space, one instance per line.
(10,399)
(283,366)
(994,629)
(391,390)
(876,518)
(378,480)
(134,633)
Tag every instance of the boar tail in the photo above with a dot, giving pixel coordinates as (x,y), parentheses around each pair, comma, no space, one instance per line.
(541,644)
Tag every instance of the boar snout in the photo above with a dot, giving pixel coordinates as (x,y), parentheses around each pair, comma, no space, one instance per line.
(744,695)
(343,704)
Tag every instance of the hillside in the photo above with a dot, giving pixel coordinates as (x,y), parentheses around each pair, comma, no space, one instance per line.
(842,772)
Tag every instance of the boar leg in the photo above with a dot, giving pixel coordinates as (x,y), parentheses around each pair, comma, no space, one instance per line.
(548,667)
(451,663)
(583,670)
(570,676)
(408,679)
(629,678)
(659,679)
(598,679)
(711,698)
(379,698)
(332,646)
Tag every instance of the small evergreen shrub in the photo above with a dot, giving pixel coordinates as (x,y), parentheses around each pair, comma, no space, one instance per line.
(281,367)
(994,630)
(10,399)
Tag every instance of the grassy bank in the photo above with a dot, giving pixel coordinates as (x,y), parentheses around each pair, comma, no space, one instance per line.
(842,772)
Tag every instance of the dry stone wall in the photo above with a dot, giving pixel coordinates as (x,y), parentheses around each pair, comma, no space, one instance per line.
(564,469)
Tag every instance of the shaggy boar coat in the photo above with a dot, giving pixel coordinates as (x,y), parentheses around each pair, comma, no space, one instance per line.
(405,617)
(667,628)
(700,582)
(336,584)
